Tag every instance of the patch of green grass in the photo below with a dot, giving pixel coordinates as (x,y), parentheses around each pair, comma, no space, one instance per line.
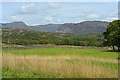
(6,73)
(113,66)
(57,51)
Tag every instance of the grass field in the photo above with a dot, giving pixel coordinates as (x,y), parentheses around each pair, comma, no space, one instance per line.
(59,63)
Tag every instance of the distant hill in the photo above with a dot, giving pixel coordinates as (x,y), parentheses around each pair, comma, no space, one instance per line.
(20,25)
(85,27)
(90,27)
(46,28)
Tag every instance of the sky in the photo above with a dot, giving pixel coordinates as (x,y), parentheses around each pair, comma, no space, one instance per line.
(60,0)
(34,13)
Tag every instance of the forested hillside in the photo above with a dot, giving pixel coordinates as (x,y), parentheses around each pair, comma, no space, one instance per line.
(29,37)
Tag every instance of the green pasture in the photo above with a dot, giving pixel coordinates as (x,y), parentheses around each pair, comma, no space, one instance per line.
(23,71)
(57,51)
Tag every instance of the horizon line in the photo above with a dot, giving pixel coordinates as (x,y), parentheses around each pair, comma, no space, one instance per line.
(55,23)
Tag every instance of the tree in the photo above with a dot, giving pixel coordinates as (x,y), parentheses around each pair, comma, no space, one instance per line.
(44,41)
(83,43)
(66,41)
(92,42)
(112,34)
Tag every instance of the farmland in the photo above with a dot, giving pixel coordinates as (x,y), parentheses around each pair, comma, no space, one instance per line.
(59,63)
(34,54)
(60,40)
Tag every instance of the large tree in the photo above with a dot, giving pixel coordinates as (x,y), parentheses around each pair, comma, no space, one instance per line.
(112,34)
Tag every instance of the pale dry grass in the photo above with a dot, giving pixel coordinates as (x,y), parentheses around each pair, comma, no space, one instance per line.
(57,66)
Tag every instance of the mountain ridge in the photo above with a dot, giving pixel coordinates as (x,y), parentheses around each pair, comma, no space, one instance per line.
(84,27)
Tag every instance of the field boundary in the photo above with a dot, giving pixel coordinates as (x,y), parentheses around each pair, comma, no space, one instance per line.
(50,46)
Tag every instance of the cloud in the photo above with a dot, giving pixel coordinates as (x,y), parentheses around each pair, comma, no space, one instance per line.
(54,5)
(113,18)
(59,20)
(49,18)
(55,15)
(92,16)
(15,18)
(87,15)
(28,9)
(88,11)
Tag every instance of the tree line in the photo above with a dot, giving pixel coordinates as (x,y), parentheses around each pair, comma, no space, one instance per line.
(27,37)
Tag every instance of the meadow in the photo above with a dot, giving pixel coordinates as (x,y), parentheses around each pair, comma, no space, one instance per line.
(59,63)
